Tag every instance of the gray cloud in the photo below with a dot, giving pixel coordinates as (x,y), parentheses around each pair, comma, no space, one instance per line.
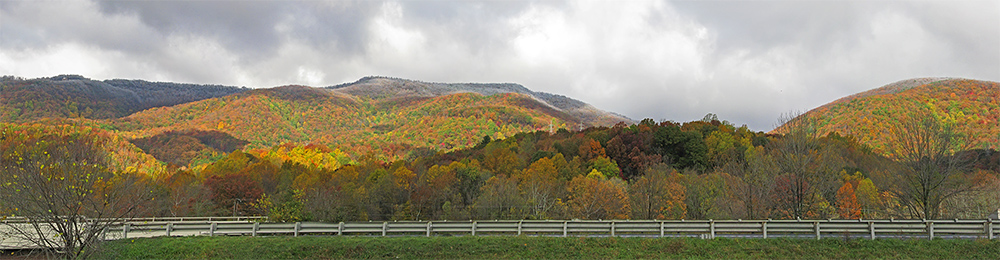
(28,25)
(256,29)
(241,25)
(746,61)
(760,25)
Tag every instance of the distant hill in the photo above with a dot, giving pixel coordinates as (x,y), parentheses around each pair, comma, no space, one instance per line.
(389,88)
(971,105)
(73,96)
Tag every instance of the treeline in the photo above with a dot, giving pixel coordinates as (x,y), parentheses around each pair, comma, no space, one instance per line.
(652,170)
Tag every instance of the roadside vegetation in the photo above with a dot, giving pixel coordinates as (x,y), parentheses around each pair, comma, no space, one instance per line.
(541,248)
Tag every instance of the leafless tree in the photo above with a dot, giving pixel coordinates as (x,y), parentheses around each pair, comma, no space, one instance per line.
(500,199)
(795,154)
(932,171)
(654,195)
(62,194)
(756,170)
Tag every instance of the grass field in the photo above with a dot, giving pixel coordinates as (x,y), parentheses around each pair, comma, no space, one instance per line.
(540,247)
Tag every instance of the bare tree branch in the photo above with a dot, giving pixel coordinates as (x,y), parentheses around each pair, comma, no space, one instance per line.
(64,190)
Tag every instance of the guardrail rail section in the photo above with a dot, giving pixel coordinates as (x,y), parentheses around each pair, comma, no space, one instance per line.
(707,229)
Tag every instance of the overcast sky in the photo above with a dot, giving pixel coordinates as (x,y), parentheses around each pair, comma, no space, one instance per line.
(747,61)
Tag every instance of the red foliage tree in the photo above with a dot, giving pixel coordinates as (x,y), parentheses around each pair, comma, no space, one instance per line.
(236,190)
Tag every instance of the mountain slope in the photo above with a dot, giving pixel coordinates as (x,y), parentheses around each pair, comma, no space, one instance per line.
(970,105)
(356,119)
(71,96)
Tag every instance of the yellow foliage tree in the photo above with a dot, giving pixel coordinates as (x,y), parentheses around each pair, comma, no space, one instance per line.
(595,198)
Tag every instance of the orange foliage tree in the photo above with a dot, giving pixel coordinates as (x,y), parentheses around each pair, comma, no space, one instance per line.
(847,202)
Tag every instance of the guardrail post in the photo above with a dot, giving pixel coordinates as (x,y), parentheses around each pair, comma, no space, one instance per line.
(474,228)
(340,229)
(256,226)
(985,230)
(125,230)
(711,229)
(211,229)
(816,226)
(989,228)
(429,227)
(565,228)
(170,227)
(930,229)
(661,228)
(871,228)
(763,228)
(519,227)
(612,228)
(298,226)
(385,225)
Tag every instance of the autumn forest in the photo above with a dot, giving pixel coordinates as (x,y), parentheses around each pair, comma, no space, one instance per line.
(923,150)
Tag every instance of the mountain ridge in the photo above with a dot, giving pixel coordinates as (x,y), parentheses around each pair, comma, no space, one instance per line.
(75,96)
(380,87)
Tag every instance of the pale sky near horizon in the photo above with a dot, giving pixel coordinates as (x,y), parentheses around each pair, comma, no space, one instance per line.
(747,61)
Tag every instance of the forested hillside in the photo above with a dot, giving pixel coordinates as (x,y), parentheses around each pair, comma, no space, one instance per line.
(189,147)
(20,141)
(388,128)
(968,106)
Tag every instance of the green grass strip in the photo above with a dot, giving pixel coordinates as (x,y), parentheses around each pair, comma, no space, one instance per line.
(541,248)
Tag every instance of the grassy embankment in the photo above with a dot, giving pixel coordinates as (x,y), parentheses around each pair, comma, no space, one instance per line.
(541,247)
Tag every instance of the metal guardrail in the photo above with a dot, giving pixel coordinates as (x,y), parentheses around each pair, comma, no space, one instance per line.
(706,229)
